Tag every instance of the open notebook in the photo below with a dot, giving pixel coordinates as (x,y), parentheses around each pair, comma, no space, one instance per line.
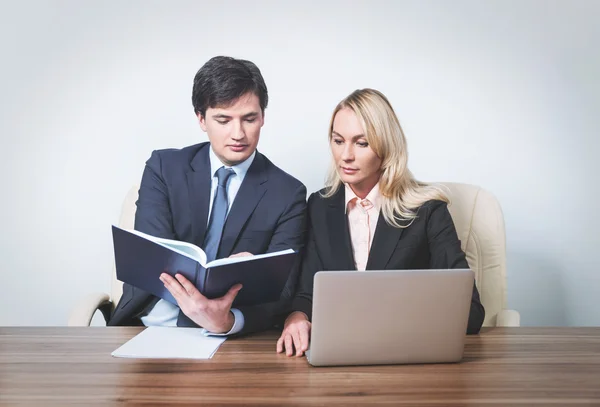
(140,259)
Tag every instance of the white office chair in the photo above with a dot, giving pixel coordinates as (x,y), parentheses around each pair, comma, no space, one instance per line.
(83,312)
(480,226)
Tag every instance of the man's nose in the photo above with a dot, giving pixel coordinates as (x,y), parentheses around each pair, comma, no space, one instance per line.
(238,132)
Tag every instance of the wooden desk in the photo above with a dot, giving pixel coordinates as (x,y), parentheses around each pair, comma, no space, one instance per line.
(503,366)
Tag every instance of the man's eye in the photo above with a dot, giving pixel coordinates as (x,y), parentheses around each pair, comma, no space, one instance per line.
(251,120)
(222,122)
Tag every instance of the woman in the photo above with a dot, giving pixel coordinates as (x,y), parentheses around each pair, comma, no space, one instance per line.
(372,214)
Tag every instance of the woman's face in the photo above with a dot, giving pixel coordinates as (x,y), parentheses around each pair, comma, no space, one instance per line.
(356,163)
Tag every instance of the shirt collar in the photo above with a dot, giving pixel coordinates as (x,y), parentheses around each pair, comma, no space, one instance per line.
(240,169)
(373,196)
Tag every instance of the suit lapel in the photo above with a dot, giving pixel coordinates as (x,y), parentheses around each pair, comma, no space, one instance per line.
(341,247)
(384,242)
(248,196)
(199,180)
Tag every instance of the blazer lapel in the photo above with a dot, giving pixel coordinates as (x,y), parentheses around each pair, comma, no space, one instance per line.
(339,233)
(248,196)
(199,187)
(384,242)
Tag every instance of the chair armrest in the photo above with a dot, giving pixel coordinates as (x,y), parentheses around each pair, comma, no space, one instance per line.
(508,318)
(83,312)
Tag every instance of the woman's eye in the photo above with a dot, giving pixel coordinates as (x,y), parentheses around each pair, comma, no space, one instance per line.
(363,144)
(338,142)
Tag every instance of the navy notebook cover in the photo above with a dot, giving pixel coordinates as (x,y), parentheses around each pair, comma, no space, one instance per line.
(140,262)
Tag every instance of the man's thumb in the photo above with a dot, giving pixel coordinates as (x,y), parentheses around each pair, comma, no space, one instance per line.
(233,292)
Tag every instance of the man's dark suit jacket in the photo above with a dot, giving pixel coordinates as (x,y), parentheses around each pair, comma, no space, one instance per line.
(430,242)
(267,215)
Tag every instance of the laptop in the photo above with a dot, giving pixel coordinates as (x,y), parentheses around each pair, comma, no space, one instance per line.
(389,317)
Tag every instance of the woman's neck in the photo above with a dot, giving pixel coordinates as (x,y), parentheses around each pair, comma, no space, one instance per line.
(362,189)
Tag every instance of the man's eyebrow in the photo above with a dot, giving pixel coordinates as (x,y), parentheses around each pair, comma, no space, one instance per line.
(335,133)
(224,116)
(220,116)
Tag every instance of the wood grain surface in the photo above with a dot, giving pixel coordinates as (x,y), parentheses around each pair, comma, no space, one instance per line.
(502,366)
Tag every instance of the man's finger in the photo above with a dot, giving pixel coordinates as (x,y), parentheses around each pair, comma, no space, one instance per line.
(173,285)
(180,298)
(280,344)
(185,283)
(173,293)
(289,348)
(232,293)
(242,254)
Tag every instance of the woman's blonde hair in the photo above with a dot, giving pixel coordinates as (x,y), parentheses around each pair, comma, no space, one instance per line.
(402,194)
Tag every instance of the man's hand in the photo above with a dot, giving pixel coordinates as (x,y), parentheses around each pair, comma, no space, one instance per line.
(213,315)
(295,335)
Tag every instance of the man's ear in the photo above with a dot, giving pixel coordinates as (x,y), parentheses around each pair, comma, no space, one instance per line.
(202,121)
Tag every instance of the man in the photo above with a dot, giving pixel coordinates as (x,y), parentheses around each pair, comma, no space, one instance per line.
(223,196)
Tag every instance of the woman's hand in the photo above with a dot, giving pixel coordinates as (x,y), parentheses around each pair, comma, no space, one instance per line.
(295,335)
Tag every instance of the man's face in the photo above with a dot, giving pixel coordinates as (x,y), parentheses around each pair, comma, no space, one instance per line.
(234,130)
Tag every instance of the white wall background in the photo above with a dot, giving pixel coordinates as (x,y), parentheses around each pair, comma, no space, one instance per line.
(504,94)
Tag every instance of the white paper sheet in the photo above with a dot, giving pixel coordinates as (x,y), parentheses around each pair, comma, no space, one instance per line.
(158,342)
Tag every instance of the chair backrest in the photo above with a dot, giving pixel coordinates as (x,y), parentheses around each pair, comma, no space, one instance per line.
(126,221)
(479,223)
(480,226)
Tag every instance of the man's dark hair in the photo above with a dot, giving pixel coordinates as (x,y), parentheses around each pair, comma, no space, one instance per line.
(222,80)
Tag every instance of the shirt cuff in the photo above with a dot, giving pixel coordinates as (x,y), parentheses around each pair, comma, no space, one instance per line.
(238,325)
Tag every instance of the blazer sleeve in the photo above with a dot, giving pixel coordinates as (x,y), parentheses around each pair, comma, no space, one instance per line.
(291,227)
(446,253)
(310,265)
(153,214)
(289,234)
